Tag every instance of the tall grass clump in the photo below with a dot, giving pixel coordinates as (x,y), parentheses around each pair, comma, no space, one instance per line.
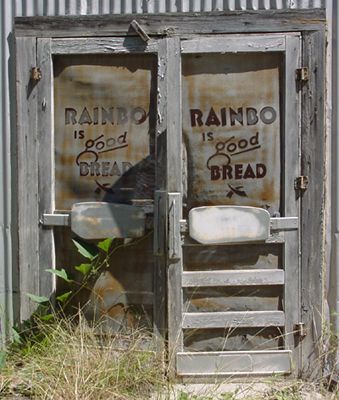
(72,361)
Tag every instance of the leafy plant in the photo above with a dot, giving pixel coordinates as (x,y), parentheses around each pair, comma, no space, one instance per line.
(98,259)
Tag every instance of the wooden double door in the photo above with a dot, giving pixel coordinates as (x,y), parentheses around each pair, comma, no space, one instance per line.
(165,128)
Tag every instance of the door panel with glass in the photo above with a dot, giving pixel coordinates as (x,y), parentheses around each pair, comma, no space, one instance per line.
(238,301)
(103,99)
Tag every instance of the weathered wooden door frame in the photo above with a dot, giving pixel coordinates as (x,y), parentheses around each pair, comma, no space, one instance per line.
(311,24)
(41,162)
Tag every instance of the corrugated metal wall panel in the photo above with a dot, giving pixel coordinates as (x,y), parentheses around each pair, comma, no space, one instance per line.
(7,125)
(95,7)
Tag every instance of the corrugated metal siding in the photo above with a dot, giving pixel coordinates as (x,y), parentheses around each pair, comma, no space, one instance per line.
(7,123)
(95,7)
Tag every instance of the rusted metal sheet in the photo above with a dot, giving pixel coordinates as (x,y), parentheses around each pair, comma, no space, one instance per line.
(231,126)
(106,220)
(103,129)
(228,224)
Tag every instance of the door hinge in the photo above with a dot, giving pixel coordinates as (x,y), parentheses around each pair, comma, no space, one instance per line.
(301,183)
(300,330)
(36,74)
(302,74)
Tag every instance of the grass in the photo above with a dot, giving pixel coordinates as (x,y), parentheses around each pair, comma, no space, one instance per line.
(68,361)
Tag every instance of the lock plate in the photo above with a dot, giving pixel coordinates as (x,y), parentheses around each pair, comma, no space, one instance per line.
(301,183)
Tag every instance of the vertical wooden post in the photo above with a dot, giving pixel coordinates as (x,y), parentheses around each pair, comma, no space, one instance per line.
(28,216)
(291,170)
(160,201)
(46,164)
(174,187)
(312,201)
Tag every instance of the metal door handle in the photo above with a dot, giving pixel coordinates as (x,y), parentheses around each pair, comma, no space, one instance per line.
(174,225)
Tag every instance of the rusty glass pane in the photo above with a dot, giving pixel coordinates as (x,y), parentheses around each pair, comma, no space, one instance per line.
(244,298)
(103,128)
(232,129)
(104,113)
(232,257)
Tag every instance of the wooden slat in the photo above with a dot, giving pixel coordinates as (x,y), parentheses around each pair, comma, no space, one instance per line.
(162,24)
(241,319)
(56,219)
(234,363)
(284,224)
(291,203)
(276,224)
(102,46)
(274,238)
(173,177)
(233,278)
(234,44)
(160,202)
(313,201)
(27,153)
(159,273)
(46,164)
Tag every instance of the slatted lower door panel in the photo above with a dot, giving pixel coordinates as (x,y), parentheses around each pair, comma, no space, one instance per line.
(233,363)
(228,292)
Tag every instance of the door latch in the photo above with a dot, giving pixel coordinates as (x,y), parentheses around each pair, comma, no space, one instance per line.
(138,29)
(174,214)
(301,183)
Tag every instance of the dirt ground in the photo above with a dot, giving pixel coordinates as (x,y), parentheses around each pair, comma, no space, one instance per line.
(267,390)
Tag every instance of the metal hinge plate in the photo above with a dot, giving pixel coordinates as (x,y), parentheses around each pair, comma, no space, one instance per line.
(302,74)
(300,330)
(36,74)
(301,183)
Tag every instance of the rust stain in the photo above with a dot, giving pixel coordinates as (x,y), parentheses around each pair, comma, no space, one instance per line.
(88,220)
(108,301)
